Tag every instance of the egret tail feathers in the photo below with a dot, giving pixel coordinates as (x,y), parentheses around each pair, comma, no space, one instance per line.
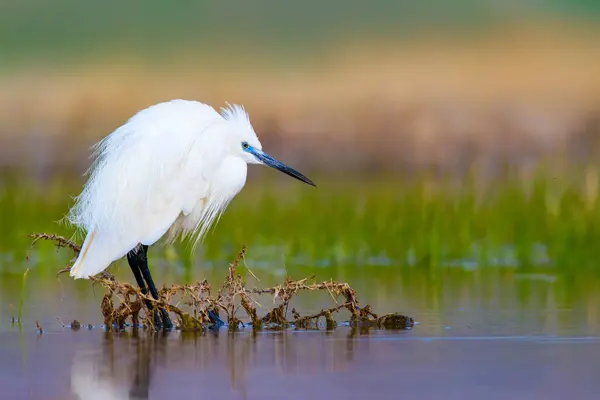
(97,253)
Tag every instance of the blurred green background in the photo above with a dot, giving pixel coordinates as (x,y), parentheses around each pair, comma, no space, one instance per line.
(66,31)
(69,29)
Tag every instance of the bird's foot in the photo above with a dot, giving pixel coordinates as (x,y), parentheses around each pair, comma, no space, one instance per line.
(214,319)
(162,321)
(167,323)
(158,325)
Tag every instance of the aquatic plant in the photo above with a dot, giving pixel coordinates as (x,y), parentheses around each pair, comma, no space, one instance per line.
(203,308)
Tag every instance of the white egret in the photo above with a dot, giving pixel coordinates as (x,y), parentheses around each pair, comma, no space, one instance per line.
(169,172)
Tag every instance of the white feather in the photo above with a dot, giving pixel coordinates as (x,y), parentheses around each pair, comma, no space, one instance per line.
(173,167)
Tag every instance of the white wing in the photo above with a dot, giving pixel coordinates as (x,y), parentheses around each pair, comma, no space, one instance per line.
(148,172)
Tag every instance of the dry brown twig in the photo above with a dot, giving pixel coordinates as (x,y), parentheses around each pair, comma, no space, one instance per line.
(232,295)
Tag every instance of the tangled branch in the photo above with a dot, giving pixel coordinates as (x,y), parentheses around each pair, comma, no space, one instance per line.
(123,301)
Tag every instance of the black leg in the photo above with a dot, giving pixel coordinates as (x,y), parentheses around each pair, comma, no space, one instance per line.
(135,268)
(134,264)
(143,263)
(138,261)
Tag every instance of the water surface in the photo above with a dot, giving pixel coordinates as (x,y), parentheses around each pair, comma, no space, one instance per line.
(504,289)
(341,364)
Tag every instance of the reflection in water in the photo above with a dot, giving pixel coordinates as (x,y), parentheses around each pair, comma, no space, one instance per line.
(91,364)
(117,371)
(240,353)
(125,364)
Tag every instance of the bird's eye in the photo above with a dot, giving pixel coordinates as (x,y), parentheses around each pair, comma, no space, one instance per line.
(245,145)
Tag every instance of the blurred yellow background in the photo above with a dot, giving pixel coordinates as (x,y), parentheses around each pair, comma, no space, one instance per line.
(334,85)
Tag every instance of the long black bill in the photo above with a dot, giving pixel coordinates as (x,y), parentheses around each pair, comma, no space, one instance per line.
(278,165)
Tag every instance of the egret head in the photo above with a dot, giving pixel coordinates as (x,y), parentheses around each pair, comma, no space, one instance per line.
(247,146)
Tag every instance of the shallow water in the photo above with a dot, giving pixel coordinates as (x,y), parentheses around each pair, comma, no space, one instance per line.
(295,365)
(93,364)
(512,313)
(486,334)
